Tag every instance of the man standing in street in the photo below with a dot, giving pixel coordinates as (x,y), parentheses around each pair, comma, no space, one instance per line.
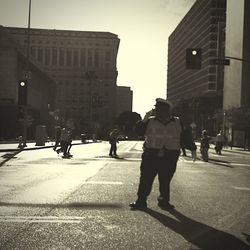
(161,151)
(219,141)
(113,140)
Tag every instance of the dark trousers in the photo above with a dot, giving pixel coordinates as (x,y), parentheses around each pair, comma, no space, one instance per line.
(64,147)
(69,146)
(56,144)
(152,165)
(113,148)
(218,147)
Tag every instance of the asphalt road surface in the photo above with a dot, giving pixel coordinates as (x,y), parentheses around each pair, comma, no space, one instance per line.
(47,202)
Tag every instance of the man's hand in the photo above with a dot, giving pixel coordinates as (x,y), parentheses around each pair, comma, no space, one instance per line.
(147,115)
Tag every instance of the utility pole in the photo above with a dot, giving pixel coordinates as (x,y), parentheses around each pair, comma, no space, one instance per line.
(28,77)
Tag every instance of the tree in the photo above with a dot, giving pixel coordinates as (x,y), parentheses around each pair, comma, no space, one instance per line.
(126,122)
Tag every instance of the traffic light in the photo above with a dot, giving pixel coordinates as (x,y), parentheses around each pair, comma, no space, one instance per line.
(193,58)
(22,92)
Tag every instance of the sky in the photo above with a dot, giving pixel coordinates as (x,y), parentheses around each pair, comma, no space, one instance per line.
(143,27)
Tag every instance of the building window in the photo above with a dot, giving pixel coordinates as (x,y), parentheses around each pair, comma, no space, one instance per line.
(211,78)
(83,56)
(212,70)
(212,53)
(108,55)
(213,45)
(96,58)
(211,86)
(54,56)
(40,55)
(68,56)
(33,51)
(75,57)
(47,56)
(90,60)
(61,56)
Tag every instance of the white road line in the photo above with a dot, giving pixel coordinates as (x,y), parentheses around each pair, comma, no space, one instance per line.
(104,182)
(190,161)
(241,188)
(241,164)
(39,219)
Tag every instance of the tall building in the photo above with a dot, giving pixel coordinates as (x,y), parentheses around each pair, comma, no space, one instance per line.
(83,65)
(237,48)
(198,92)
(124,99)
(40,95)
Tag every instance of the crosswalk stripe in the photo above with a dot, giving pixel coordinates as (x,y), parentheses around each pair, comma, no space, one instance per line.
(104,182)
(40,219)
(242,188)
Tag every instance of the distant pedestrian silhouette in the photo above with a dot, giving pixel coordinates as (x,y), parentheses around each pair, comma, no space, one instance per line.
(204,145)
(113,140)
(219,143)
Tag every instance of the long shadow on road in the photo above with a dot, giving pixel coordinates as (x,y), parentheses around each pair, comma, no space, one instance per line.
(200,235)
(9,156)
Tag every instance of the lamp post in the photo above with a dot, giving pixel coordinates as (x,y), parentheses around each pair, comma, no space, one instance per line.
(224,123)
(27,75)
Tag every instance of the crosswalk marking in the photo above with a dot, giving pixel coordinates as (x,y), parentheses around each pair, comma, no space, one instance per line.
(40,219)
(104,182)
(190,160)
(242,188)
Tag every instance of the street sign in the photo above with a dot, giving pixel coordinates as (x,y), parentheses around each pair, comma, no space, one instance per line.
(220,61)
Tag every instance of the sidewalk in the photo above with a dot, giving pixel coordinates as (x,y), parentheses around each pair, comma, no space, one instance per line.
(13,146)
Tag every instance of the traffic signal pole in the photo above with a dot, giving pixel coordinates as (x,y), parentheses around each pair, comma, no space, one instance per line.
(27,76)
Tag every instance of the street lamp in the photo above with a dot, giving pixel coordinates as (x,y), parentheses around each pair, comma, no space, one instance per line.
(27,76)
(224,123)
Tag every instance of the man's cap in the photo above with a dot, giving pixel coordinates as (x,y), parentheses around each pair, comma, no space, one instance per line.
(163,101)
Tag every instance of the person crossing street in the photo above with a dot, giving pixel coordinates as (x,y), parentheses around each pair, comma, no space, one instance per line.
(113,140)
(163,135)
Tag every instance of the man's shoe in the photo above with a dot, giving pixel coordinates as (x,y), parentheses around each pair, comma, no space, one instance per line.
(65,156)
(138,205)
(165,205)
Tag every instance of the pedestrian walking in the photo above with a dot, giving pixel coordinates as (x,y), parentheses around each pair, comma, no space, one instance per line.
(204,145)
(57,138)
(63,142)
(20,142)
(184,153)
(187,137)
(113,140)
(219,141)
(69,142)
(162,145)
